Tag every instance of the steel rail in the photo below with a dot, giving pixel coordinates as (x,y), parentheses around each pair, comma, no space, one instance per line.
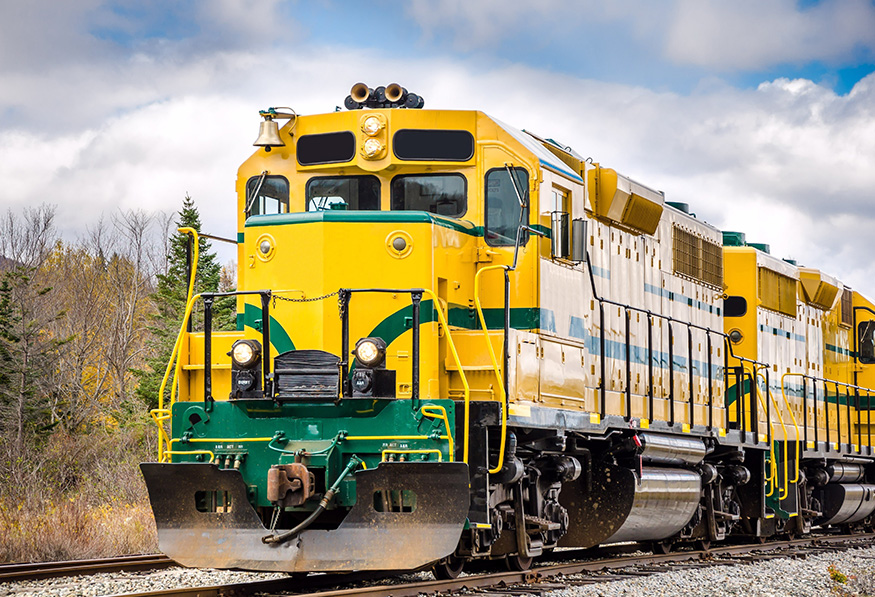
(300,585)
(43,570)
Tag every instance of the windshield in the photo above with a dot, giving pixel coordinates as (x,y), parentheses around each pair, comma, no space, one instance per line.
(443,194)
(349,193)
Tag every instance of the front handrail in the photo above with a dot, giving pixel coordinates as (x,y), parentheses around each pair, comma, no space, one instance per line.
(773,466)
(795,423)
(783,491)
(452,346)
(442,415)
(495,366)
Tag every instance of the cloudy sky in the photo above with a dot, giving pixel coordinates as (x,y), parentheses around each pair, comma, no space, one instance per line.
(758,113)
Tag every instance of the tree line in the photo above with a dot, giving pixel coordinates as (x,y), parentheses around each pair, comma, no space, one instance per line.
(86,327)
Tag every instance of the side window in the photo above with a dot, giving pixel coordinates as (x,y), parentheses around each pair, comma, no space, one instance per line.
(267,196)
(866,342)
(348,193)
(442,194)
(734,306)
(502,216)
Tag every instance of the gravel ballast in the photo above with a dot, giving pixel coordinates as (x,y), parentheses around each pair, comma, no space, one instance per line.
(780,577)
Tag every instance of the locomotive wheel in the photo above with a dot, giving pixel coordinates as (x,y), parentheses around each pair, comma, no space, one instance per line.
(702,545)
(518,563)
(662,547)
(448,568)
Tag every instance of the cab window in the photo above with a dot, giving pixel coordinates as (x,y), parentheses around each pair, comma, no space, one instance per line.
(866,342)
(346,193)
(267,195)
(442,194)
(502,217)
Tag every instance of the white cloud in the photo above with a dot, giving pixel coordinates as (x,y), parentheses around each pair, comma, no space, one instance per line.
(770,161)
(757,34)
(714,34)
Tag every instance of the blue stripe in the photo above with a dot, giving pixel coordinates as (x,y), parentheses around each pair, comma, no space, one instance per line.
(680,298)
(638,354)
(601,272)
(560,170)
(782,333)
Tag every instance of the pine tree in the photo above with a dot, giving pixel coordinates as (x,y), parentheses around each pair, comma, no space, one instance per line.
(170,298)
(28,358)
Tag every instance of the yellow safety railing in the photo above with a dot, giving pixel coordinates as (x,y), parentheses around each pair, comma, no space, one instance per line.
(773,466)
(795,422)
(190,452)
(442,415)
(440,455)
(495,366)
(451,344)
(159,415)
(189,303)
(782,492)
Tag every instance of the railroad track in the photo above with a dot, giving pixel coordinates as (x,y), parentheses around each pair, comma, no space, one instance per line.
(41,570)
(586,566)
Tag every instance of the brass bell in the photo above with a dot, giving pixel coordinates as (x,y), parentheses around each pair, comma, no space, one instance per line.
(269,134)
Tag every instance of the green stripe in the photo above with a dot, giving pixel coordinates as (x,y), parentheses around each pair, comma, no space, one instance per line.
(241,237)
(279,339)
(840,350)
(459,316)
(395,217)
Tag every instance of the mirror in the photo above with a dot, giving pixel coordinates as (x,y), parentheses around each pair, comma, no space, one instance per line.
(559,225)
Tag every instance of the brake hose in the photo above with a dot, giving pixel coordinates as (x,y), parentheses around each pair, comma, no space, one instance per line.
(326,499)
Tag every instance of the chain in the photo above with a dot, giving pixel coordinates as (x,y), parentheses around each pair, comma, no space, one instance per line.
(275,296)
(302,300)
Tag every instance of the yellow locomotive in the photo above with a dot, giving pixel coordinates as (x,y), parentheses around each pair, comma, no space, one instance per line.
(459,340)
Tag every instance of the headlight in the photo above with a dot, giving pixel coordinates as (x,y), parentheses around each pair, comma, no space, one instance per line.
(373,148)
(370,352)
(372,125)
(245,352)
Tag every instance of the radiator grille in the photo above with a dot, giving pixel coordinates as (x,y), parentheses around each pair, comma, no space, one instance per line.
(307,375)
(697,257)
(847,307)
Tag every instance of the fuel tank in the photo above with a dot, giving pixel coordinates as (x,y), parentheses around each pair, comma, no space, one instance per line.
(625,505)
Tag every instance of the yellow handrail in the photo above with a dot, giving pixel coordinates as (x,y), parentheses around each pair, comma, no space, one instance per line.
(224,440)
(795,423)
(443,322)
(432,451)
(388,437)
(773,467)
(189,302)
(782,493)
(212,455)
(443,416)
(159,415)
(495,366)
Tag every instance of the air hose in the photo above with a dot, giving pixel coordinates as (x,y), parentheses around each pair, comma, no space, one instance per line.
(326,499)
